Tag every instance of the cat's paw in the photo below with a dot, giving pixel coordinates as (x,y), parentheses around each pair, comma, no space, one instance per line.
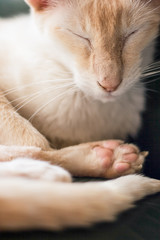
(118,159)
(34,169)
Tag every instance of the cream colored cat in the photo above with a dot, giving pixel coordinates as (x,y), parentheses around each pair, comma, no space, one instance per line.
(73,70)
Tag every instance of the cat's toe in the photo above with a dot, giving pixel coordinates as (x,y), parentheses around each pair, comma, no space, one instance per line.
(105,152)
(128,159)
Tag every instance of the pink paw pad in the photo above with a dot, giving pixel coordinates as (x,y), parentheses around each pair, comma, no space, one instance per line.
(105,155)
(122,167)
(130,157)
(105,152)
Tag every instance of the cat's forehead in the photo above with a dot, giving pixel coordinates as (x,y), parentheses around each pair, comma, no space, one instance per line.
(108,18)
(100,15)
(113,15)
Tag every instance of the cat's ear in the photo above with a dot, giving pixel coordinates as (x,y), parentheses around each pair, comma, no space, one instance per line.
(40,5)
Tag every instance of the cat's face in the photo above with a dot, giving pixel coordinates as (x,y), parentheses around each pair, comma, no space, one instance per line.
(101,41)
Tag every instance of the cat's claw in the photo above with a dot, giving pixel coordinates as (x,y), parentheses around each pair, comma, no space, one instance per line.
(118,159)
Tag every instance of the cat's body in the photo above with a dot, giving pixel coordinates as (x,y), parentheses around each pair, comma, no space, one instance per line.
(77,79)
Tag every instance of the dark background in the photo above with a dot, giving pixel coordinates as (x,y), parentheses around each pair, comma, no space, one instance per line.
(141,223)
(149,137)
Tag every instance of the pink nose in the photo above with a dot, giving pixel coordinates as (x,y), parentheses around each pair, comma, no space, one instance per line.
(109,87)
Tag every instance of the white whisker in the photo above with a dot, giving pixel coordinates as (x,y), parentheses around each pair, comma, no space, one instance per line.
(36,95)
(152,90)
(9,91)
(41,108)
(32,97)
(151,81)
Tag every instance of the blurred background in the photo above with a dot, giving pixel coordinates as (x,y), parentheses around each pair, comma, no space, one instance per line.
(12,7)
(149,136)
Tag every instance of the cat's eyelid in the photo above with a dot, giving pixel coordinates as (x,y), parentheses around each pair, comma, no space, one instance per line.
(136,30)
(131,33)
(80,36)
(77,34)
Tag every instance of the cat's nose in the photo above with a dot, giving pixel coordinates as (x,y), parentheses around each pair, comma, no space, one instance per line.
(109,86)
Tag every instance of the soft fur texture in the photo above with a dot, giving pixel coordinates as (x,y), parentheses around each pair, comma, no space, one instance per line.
(73,70)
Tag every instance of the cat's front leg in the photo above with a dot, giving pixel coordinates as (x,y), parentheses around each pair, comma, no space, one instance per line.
(15,130)
(109,159)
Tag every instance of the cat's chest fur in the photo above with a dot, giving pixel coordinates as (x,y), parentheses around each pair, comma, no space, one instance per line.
(75,119)
(71,118)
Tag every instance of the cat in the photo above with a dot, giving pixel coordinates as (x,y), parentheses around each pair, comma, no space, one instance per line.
(70,81)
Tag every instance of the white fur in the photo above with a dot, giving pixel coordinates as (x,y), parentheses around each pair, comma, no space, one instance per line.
(32,204)
(31,61)
(33,169)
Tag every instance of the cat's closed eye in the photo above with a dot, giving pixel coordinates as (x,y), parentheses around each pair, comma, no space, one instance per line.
(127,37)
(82,37)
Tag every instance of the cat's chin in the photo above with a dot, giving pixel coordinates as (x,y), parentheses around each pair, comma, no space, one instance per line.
(106,98)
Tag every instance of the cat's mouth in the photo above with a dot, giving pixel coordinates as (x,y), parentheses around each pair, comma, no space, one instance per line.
(110,97)
(95,93)
(107,97)
(100,96)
